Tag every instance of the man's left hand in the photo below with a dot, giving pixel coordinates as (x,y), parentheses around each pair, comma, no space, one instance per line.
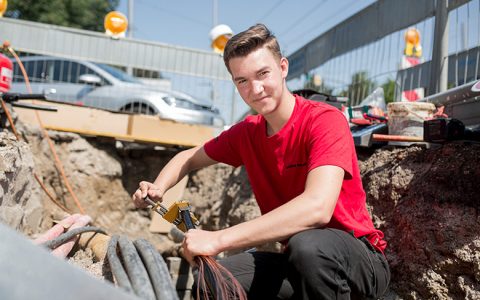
(200,242)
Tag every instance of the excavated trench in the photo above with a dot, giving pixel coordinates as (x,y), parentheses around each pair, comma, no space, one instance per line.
(425,200)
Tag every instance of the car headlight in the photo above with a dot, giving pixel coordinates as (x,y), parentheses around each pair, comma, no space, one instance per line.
(170,100)
(179,102)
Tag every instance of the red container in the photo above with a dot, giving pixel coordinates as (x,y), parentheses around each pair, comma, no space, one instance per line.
(6,73)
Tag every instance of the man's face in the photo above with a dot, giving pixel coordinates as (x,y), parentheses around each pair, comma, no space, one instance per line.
(259,78)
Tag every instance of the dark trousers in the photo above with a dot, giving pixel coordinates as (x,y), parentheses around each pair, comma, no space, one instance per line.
(317,264)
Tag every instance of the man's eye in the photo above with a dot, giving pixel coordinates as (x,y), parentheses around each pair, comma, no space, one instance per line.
(263,73)
(241,81)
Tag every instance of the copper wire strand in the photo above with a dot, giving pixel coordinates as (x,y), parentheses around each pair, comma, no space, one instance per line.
(57,203)
(221,285)
(10,120)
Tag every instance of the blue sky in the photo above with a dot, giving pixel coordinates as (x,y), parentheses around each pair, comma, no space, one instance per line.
(188,23)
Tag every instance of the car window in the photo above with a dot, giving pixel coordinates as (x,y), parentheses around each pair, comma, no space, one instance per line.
(119,74)
(68,71)
(58,70)
(37,71)
(17,74)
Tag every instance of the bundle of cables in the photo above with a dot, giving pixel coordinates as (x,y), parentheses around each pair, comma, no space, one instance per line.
(138,268)
(214,281)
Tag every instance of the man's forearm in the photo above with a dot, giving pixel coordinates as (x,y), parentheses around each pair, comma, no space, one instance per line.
(295,216)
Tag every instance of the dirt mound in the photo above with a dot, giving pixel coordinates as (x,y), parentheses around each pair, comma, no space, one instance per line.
(426,201)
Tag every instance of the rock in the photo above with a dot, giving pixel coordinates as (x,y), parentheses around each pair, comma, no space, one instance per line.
(20,205)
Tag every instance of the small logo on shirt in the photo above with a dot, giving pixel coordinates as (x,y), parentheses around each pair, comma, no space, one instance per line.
(296,165)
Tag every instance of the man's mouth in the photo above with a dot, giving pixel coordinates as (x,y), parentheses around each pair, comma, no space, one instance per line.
(259,99)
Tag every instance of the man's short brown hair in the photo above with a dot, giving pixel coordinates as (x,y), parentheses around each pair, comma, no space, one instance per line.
(250,40)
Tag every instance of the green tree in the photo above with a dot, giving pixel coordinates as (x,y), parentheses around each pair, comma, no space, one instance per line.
(83,14)
(389,90)
(359,88)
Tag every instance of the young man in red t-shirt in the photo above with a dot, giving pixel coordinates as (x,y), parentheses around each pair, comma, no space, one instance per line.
(302,165)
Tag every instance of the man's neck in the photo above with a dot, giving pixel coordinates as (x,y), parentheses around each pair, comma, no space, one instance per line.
(277,119)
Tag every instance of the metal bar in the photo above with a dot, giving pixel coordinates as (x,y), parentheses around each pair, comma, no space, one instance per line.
(458,94)
(439,66)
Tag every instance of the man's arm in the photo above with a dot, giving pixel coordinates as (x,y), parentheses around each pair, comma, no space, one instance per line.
(311,209)
(179,166)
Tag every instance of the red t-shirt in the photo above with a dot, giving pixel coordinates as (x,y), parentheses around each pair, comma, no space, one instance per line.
(316,134)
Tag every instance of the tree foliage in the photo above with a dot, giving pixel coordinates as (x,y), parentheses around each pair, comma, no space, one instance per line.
(389,90)
(83,14)
(360,87)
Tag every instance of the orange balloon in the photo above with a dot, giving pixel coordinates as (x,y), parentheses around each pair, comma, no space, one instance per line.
(412,36)
(220,42)
(3,6)
(115,22)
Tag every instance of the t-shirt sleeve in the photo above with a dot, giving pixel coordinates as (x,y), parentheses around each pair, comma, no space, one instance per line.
(331,142)
(224,148)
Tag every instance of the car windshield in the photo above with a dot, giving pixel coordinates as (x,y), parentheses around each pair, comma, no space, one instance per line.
(119,74)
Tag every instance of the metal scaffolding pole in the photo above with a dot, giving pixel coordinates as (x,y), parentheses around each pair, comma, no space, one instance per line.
(439,66)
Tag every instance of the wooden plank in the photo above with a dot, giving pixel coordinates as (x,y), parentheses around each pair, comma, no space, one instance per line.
(121,126)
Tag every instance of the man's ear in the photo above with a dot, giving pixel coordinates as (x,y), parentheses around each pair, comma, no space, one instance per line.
(284,67)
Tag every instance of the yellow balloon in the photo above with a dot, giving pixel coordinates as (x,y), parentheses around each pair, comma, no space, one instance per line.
(115,22)
(3,7)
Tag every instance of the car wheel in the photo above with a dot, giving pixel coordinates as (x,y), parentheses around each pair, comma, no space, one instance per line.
(138,108)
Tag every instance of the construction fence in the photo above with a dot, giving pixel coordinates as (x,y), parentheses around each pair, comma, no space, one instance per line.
(367,51)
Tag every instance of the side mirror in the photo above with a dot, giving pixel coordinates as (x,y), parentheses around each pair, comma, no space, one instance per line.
(90,79)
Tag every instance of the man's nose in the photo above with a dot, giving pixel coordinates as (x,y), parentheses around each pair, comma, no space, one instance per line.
(257,87)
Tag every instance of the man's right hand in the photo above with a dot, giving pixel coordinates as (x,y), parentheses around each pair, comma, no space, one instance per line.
(145,189)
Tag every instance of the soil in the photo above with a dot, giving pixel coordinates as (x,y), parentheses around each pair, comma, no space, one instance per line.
(424,200)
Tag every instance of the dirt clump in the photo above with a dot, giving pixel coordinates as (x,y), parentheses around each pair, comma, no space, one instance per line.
(426,202)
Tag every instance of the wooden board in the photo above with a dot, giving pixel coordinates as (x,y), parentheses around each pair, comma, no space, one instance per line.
(121,126)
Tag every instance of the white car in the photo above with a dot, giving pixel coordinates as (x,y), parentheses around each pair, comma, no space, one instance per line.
(102,86)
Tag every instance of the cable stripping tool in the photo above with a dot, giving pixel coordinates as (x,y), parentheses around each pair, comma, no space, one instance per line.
(179,213)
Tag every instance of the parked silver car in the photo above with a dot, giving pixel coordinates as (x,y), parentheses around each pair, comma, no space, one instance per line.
(102,86)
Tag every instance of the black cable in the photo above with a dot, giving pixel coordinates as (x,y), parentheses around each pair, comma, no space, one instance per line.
(65,237)
(275,6)
(157,270)
(135,269)
(116,267)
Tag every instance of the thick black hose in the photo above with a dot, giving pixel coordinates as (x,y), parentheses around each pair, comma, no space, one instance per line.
(65,237)
(157,270)
(135,269)
(116,267)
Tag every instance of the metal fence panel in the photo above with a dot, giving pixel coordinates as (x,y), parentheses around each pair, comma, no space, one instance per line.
(372,23)
(93,46)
